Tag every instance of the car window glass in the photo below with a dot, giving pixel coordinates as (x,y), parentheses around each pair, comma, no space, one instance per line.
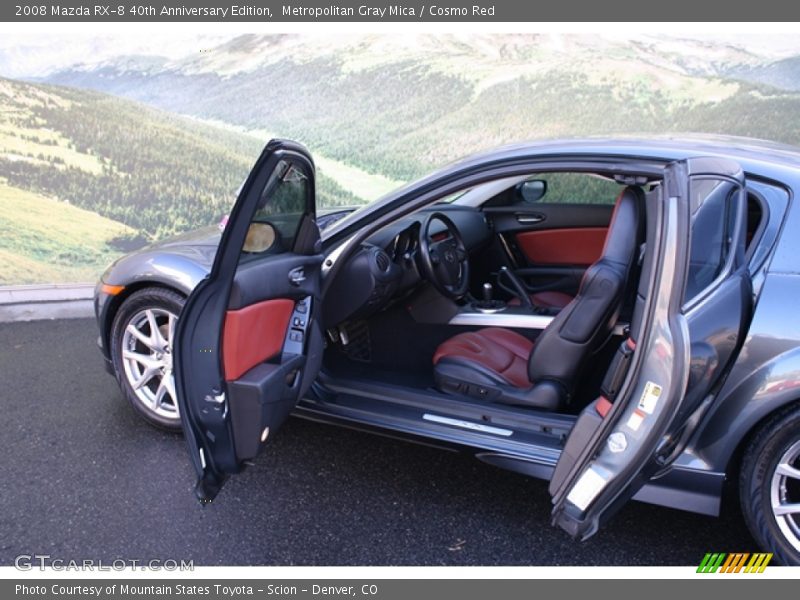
(562,188)
(577,188)
(283,202)
(712,225)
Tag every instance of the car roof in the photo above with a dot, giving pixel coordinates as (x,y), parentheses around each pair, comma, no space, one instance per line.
(674,147)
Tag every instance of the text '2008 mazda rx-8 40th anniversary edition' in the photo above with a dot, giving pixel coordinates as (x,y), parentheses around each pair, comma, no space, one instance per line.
(615,316)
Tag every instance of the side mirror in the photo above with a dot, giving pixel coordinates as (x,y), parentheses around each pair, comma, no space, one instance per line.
(532,190)
(260,237)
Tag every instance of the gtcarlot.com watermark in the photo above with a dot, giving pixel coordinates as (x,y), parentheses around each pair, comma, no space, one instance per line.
(30,562)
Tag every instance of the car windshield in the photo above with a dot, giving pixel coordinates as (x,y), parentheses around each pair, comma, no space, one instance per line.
(346,189)
(345,219)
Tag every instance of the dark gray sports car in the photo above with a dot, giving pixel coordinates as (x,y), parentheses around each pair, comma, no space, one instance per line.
(615,316)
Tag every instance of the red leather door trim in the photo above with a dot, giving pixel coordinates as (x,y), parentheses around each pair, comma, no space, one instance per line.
(254,334)
(580,246)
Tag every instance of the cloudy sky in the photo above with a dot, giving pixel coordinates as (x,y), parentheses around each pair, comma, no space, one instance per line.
(31,55)
(35,53)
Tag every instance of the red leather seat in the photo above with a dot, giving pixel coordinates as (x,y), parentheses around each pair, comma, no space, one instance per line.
(501,350)
(549,299)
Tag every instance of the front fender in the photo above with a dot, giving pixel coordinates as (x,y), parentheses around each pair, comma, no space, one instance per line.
(180,268)
(181,271)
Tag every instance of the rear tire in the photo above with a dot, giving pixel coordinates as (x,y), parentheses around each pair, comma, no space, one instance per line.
(141,352)
(769,486)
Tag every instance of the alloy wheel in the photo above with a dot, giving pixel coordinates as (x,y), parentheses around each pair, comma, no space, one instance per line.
(147,360)
(785,494)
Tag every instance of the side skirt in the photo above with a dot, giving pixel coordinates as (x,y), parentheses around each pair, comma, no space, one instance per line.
(532,449)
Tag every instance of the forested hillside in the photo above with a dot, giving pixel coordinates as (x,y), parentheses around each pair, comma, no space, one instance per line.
(154,172)
(399,107)
(148,174)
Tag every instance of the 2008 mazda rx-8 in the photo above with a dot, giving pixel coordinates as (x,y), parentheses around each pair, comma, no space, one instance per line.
(615,316)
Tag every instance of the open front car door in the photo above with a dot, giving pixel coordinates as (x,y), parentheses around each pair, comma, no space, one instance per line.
(692,308)
(248,343)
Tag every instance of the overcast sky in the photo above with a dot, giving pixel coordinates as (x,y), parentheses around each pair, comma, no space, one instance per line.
(32,54)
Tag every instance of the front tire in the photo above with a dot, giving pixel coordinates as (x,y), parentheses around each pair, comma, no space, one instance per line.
(141,352)
(769,486)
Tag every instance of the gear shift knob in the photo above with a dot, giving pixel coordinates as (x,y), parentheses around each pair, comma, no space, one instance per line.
(488,304)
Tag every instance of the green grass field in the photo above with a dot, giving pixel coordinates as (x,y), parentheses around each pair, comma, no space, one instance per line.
(44,240)
(360,183)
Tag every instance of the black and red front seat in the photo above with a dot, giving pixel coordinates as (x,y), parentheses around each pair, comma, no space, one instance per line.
(501,365)
(551,299)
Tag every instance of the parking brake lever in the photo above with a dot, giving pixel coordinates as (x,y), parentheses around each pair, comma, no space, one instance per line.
(518,286)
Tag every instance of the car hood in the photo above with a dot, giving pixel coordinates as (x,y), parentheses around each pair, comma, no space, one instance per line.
(198,246)
(205,236)
(180,261)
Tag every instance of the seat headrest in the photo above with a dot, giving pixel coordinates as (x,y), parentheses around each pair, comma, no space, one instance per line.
(626,230)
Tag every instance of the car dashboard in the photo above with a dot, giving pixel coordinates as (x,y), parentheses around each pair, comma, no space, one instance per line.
(386,266)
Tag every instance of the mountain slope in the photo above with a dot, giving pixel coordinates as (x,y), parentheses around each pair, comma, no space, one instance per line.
(401,105)
(44,240)
(156,172)
(129,171)
(782,74)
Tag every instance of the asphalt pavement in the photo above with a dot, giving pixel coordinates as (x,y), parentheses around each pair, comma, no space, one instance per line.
(83,477)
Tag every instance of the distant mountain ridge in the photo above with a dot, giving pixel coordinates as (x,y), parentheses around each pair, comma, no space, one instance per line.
(783,74)
(401,105)
(469,55)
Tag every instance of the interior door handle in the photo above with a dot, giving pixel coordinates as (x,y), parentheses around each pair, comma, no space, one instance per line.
(529,219)
(297,276)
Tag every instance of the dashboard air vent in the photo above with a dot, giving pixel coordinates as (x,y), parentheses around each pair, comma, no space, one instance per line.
(383,261)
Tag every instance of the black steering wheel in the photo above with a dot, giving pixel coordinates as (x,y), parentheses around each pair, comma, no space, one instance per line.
(444,262)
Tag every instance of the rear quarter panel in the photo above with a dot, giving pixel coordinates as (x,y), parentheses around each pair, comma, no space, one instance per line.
(766,375)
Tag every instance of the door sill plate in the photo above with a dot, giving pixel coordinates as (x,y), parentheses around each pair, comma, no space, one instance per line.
(468,425)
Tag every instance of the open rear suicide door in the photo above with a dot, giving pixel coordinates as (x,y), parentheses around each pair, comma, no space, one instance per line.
(692,305)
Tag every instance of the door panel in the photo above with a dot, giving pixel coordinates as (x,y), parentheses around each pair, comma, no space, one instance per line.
(550,245)
(266,321)
(560,247)
(261,400)
(516,218)
(251,284)
(678,350)
(247,331)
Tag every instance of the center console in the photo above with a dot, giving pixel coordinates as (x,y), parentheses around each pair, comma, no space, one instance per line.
(515,317)
(491,312)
